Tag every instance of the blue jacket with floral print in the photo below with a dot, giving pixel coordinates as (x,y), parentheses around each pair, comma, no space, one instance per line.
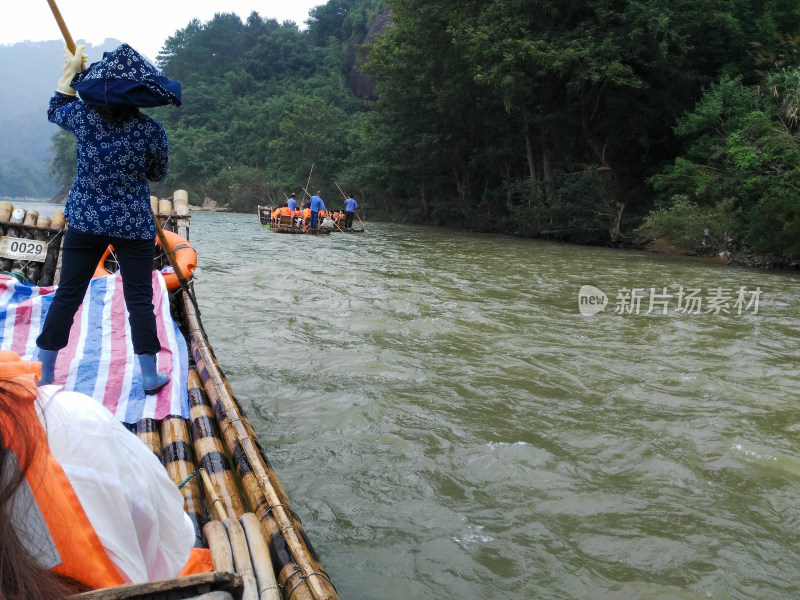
(111,194)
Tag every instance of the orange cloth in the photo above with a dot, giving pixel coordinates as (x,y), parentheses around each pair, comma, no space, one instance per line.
(24,373)
(199,562)
(82,555)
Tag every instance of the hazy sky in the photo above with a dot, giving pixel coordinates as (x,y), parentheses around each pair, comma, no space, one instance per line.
(144,24)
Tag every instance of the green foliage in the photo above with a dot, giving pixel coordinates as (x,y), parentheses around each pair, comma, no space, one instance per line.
(743,155)
(691,227)
(520,116)
(262,102)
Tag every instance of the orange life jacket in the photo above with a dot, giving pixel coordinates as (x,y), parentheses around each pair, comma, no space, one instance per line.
(306,213)
(79,548)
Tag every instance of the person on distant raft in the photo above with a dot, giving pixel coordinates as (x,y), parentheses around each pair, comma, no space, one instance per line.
(317,205)
(119,150)
(83,503)
(292,202)
(350,206)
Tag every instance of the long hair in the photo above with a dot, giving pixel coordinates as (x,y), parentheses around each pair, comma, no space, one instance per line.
(22,577)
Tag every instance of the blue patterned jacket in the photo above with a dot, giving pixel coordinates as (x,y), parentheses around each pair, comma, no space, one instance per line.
(111,194)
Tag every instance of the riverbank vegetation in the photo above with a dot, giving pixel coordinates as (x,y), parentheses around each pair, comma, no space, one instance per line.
(597,121)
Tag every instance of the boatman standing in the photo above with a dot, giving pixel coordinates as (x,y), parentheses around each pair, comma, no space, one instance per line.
(350,206)
(316,205)
(292,203)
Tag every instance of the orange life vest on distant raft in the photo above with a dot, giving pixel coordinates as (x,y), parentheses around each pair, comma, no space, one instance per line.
(69,545)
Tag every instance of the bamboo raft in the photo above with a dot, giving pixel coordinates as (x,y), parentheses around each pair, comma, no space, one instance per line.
(285,224)
(231,492)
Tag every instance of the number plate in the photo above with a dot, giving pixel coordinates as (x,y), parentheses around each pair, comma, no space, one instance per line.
(20,249)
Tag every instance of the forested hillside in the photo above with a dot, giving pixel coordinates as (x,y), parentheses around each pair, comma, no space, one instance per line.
(582,120)
(29,72)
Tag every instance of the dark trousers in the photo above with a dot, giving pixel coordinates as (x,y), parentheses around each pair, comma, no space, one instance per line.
(348,220)
(79,257)
(314,219)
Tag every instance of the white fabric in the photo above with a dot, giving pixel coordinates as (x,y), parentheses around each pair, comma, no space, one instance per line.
(130,500)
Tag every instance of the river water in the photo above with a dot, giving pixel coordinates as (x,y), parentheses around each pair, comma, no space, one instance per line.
(449,425)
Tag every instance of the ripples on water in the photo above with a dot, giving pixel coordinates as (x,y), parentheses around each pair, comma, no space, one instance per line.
(448,425)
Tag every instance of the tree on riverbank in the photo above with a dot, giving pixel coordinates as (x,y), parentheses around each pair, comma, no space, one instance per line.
(741,169)
(530,117)
(543,116)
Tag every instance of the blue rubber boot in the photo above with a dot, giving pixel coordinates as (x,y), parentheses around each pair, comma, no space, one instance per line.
(48,360)
(152,380)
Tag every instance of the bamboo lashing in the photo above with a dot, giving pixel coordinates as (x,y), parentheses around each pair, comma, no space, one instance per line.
(259,553)
(241,558)
(298,568)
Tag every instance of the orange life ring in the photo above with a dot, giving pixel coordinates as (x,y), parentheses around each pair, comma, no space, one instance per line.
(185,256)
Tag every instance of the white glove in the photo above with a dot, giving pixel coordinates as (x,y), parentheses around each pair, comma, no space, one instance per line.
(73,63)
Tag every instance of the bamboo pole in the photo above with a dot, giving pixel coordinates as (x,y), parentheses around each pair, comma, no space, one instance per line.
(309,181)
(241,558)
(340,189)
(345,197)
(62,26)
(181,467)
(210,449)
(148,432)
(220,546)
(259,552)
(64,30)
(216,503)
